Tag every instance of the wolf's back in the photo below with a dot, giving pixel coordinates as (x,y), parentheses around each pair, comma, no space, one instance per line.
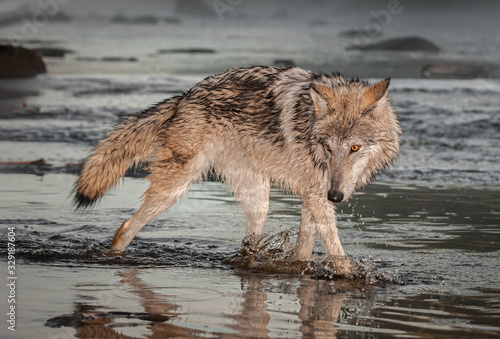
(129,142)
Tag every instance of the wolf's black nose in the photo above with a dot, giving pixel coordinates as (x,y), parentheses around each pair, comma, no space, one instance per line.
(335,195)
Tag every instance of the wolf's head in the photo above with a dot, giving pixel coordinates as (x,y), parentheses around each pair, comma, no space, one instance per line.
(355,132)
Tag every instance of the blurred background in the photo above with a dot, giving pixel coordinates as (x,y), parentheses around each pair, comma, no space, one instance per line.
(381,38)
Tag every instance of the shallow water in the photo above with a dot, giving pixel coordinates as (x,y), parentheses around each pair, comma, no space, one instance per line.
(424,237)
(430,257)
(451,128)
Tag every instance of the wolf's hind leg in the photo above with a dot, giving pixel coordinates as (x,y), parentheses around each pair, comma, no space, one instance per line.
(164,191)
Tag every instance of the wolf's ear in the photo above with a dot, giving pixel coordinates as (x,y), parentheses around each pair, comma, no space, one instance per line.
(321,97)
(376,92)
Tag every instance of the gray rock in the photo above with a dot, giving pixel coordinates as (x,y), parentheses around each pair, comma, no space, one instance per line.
(460,71)
(194,50)
(405,44)
(53,52)
(284,63)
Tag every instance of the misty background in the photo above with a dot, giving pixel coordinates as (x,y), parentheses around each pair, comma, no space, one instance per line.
(450,39)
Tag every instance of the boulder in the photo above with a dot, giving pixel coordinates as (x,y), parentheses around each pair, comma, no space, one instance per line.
(18,62)
(404,44)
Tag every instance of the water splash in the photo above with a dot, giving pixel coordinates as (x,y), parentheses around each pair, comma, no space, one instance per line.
(269,246)
(272,252)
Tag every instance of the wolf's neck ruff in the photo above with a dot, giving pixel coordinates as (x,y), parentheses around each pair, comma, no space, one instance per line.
(322,136)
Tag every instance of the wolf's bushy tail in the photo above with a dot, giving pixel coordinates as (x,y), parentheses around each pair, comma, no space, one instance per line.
(129,142)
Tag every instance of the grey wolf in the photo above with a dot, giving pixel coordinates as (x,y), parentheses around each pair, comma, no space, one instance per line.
(321,136)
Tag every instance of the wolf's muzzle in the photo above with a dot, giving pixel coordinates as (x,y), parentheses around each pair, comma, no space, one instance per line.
(335,195)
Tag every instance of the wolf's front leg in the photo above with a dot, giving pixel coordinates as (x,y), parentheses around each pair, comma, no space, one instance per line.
(327,228)
(252,189)
(307,235)
(318,216)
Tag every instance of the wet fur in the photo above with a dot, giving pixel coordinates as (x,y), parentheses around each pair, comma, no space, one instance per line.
(253,127)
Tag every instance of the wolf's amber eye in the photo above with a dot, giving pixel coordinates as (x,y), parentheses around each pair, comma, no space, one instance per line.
(328,148)
(355,148)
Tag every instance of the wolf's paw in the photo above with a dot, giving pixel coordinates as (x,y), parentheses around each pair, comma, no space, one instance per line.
(115,253)
(343,266)
(330,267)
